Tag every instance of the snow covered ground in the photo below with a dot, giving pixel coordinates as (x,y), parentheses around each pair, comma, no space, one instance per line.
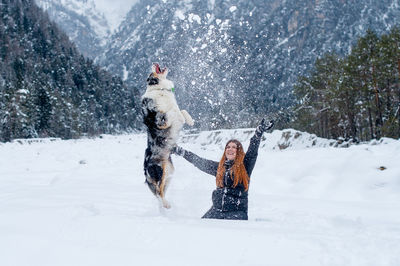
(83,202)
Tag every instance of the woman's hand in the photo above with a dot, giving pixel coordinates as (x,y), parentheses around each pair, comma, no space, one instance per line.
(264,126)
(178,150)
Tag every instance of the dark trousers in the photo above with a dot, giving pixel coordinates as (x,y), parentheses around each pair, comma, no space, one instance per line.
(215,213)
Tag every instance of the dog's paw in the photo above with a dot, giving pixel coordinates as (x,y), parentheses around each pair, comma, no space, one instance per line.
(190,122)
(161,120)
(188,118)
(166,204)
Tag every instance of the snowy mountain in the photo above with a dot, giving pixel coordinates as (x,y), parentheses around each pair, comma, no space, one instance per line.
(83,202)
(88,23)
(229,59)
(83,22)
(236,58)
(115,11)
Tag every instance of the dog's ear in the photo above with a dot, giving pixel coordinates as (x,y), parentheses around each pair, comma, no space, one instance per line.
(164,72)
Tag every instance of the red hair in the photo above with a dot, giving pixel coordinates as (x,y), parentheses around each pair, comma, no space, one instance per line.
(238,169)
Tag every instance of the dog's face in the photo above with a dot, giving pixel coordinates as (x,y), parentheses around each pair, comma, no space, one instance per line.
(157,75)
(158,78)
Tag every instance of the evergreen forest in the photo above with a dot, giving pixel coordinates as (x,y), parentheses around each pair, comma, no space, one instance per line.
(353,97)
(48,89)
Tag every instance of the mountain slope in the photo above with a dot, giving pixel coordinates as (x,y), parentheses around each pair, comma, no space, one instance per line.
(236,59)
(85,25)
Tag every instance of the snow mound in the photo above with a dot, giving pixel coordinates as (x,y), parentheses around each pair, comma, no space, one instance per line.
(276,140)
(35,140)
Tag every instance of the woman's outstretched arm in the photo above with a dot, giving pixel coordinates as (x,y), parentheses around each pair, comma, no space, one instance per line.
(205,165)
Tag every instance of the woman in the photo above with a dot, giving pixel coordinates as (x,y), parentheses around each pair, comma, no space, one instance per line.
(230,198)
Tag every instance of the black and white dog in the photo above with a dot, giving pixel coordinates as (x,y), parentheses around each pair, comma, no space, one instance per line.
(164,120)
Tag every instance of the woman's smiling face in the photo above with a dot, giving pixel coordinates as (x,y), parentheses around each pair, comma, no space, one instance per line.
(230,151)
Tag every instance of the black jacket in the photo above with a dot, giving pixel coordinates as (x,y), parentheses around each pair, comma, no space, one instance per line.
(228,202)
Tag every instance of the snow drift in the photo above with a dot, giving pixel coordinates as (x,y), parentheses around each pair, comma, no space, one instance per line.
(84,202)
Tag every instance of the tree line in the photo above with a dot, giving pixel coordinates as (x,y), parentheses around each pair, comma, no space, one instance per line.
(353,97)
(48,89)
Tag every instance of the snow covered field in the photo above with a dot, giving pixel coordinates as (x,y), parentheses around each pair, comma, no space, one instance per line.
(83,202)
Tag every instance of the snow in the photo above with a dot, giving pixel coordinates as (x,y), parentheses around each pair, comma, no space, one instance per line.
(284,41)
(23,91)
(125,73)
(193,17)
(180,14)
(103,18)
(83,202)
(115,12)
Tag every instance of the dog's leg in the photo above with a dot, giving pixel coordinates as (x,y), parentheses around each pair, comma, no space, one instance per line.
(170,170)
(188,118)
(163,184)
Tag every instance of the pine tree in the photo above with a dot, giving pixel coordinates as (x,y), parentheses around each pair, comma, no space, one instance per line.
(389,47)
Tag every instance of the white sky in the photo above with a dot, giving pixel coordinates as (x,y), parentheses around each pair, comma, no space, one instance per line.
(114,10)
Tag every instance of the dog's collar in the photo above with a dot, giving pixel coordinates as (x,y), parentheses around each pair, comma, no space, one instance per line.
(165,89)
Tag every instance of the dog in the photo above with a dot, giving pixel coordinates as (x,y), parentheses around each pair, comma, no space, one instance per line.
(163,120)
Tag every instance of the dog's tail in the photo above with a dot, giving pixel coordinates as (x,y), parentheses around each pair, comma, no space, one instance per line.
(188,118)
